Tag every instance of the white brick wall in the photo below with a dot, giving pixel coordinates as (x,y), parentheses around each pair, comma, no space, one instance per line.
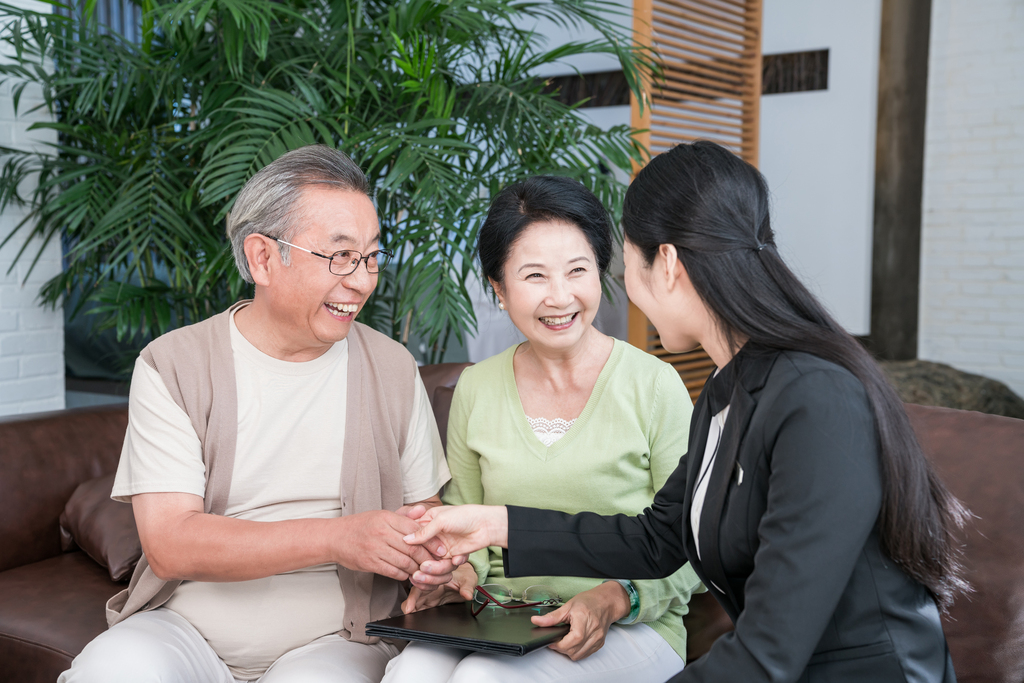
(972,251)
(31,337)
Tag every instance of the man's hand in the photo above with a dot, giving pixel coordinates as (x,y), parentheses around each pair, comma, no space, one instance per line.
(442,567)
(589,614)
(183,542)
(372,542)
(459,589)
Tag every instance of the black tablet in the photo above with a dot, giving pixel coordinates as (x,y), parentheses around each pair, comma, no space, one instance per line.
(502,631)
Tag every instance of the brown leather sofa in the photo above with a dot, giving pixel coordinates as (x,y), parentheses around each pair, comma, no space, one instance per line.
(51,602)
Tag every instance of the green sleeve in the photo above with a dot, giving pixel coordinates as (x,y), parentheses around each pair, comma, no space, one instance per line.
(465,486)
(668,432)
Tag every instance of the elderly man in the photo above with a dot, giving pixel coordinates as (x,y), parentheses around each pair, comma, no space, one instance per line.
(268,450)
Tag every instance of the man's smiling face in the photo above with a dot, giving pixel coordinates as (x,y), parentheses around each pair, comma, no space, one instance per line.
(314,306)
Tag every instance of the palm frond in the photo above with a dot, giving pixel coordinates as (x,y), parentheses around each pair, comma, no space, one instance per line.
(437,100)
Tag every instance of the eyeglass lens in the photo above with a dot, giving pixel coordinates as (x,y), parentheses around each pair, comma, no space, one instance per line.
(346,262)
(503,594)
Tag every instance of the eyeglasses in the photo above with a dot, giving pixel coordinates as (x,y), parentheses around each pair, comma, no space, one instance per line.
(346,261)
(500,596)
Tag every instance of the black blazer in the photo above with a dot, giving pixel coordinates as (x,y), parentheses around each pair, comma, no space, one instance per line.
(788,537)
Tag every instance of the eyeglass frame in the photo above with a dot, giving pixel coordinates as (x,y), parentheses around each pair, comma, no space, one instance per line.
(364,259)
(557,600)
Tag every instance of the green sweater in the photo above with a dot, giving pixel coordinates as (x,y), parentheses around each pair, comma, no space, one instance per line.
(613,459)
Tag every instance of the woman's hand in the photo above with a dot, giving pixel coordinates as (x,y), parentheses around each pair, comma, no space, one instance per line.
(459,589)
(589,614)
(454,532)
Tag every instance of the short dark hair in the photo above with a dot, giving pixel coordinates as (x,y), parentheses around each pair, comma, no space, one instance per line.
(537,199)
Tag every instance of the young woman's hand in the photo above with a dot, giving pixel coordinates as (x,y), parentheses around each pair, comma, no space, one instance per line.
(589,614)
(459,589)
(454,532)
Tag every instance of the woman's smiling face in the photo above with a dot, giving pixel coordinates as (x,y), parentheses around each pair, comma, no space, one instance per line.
(552,285)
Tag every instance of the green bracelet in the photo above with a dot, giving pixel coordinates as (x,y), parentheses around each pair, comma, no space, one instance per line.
(634,600)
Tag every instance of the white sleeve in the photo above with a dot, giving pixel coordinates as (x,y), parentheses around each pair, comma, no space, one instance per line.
(161,452)
(424,470)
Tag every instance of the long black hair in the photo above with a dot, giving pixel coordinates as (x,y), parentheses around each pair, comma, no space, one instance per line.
(713,207)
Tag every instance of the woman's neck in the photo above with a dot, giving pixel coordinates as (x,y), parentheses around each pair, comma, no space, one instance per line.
(717,345)
(562,366)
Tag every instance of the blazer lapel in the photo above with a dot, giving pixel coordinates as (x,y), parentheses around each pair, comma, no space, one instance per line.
(741,407)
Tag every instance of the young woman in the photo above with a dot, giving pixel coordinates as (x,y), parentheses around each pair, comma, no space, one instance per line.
(804,502)
(570,419)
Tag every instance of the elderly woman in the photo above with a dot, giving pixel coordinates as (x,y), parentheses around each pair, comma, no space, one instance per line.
(573,420)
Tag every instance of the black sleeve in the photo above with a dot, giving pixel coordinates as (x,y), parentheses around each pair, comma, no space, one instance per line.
(647,546)
(824,496)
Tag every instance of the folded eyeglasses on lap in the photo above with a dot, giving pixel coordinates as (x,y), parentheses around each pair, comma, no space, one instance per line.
(500,596)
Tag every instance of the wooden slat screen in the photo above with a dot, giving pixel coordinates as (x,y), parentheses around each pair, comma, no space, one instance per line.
(709,88)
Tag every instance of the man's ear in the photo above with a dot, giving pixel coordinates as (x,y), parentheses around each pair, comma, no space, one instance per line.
(258,252)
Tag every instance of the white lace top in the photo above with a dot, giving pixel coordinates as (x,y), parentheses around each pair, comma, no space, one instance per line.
(549,431)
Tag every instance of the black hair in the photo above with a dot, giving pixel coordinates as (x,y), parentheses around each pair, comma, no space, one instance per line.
(537,199)
(713,207)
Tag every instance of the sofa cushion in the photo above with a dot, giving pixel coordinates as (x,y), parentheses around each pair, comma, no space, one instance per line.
(439,380)
(103,528)
(981,459)
(705,621)
(43,458)
(442,405)
(441,375)
(49,610)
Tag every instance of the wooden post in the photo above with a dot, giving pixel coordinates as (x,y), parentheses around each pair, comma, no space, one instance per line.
(640,109)
(636,330)
(752,108)
(640,119)
(899,178)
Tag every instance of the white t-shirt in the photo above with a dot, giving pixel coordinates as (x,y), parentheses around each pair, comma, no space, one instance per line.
(291,427)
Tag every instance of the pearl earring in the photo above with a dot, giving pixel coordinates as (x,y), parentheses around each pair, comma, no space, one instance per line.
(501,305)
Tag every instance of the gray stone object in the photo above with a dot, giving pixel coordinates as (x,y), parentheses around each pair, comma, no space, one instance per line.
(935,384)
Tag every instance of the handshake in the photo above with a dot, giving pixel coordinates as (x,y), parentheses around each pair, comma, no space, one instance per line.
(421,544)
(448,535)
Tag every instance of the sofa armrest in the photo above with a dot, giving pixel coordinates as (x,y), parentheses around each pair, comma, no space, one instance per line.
(42,459)
(981,459)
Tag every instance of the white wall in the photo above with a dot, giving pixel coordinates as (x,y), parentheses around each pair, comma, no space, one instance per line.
(972,252)
(818,151)
(31,338)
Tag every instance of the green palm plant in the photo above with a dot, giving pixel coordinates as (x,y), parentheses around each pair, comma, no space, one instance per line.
(437,100)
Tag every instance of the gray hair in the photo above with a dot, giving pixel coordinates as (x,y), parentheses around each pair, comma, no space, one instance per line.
(266,203)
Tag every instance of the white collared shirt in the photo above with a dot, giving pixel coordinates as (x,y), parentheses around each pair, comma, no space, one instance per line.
(704,476)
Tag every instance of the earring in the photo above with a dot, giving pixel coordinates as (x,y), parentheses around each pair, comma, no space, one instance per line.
(501,305)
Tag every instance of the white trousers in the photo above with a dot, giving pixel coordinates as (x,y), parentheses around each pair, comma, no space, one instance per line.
(634,653)
(162,647)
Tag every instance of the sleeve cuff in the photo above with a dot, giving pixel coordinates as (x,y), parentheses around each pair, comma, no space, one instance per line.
(634,600)
(505,563)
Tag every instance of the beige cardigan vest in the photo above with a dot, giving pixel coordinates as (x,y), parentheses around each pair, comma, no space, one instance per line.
(197,366)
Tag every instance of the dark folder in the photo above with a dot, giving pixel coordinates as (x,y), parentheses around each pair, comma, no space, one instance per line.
(501,631)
